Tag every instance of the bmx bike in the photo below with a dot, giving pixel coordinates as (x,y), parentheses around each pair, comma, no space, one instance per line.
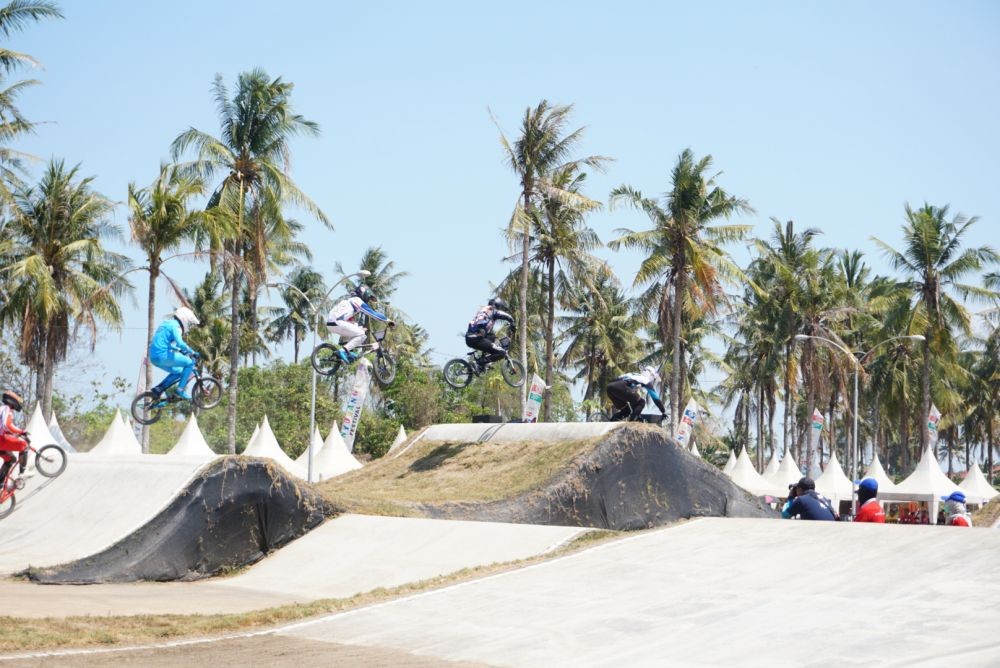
(50,461)
(326,358)
(459,372)
(206,392)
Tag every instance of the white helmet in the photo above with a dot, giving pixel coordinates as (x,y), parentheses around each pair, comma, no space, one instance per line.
(186,317)
(651,372)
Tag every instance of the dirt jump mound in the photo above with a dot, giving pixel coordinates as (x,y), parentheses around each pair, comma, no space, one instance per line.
(232,514)
(605,476)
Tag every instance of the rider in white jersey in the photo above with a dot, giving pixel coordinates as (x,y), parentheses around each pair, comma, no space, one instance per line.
(340,320)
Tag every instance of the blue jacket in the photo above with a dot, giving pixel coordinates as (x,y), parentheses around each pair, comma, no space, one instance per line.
(169,336)
(809,506)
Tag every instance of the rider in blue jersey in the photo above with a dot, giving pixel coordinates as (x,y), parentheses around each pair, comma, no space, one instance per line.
(168,351)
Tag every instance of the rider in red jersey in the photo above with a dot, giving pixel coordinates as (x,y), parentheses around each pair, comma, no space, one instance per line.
(10,433)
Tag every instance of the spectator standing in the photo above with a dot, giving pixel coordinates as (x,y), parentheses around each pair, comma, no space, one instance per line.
(869,507)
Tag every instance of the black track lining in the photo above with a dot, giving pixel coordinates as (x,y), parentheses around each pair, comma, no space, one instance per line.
(234,513)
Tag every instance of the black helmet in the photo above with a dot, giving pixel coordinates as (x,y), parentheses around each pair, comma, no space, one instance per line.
(499,304)
(364,293)
(13,399)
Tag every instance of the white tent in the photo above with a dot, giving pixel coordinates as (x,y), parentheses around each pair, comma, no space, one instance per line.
(57,433)
(772,466)
(788,473)
(746,476)
(118,439)
(253,436)
(833,483)
(730,463)
(927,483)
(977,489)
(266,445)
(334,459)
(875,470)
(38,430)
(191,443)
(317,445)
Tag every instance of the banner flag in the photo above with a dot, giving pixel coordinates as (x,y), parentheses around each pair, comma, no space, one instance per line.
(814,467)
(682,434)
(533,406)
(932,423)
(352,414)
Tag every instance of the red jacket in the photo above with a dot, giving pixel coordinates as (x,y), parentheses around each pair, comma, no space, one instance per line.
(871,511)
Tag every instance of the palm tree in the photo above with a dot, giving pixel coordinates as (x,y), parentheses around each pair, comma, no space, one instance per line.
(935,262)
(297,317)
(600,331)
(685,258)
(383,279)
(561,245)
(541,151)
(14,17)
(160,221)
(57,273)
(252,152)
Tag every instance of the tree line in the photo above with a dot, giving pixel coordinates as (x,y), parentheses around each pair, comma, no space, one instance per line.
(225,198)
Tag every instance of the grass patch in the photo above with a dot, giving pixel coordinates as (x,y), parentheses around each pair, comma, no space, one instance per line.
(988,514)
(27,635)
(442,472)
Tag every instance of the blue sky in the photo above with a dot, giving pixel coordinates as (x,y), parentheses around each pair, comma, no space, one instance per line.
(832,114)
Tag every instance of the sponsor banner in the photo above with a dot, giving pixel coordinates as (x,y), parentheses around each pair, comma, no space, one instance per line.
(533,406)
(682,434)
(359,393)
(932,423)
(813,467)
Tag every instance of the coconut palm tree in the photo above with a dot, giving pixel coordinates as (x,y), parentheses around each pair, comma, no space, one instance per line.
(935,263)
(685,258)
(252,154)
(160,221)
(56,271)
(600,335)
(561,245)
(543,149)
(14,17)
(297,318)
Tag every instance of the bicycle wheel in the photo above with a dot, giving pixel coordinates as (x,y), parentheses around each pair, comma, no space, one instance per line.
(325,359)
(599,416)
(384,368)
(206,393)
(513,372)
(458,373)
(7,505)
(50,461)
(146,408)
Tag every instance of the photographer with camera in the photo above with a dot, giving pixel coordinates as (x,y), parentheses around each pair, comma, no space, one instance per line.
(806,503)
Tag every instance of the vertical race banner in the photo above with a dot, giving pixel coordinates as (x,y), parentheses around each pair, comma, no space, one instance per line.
(533,405)
(682,434)
(352,413)
(932,424)
(816,429)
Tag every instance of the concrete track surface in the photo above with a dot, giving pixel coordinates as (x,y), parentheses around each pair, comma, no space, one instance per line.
(733,592)
(347,555)
(711,592)
(97,501)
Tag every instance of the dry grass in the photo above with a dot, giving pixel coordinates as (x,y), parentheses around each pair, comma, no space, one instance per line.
(441,472)
(988,514)
(27,635)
